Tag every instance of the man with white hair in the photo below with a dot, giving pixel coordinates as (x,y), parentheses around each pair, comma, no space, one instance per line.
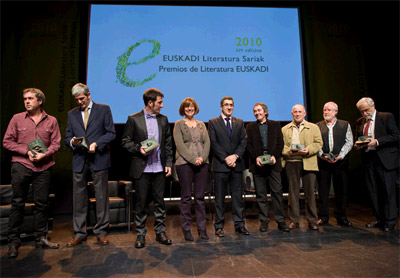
(90,131)
(333,164)
(381,161)
(302,141)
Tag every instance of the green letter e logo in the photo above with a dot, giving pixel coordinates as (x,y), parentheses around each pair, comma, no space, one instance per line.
(123,64)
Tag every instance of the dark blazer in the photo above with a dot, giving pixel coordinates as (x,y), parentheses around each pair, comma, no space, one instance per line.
(387,134)
(255,148)
(100,129)
(222,145)
(135,132)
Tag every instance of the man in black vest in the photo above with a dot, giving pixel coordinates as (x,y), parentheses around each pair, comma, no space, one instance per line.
(333,164)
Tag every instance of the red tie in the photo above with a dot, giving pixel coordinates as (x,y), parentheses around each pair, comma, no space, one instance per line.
(367,127)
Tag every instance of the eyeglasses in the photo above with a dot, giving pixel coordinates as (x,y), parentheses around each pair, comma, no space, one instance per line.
(228,105)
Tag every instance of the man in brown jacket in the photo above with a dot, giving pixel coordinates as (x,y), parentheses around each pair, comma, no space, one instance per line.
(302,141)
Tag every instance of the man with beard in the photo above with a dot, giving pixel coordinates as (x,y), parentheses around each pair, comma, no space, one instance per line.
(381,161)
(333,164)
(148,169)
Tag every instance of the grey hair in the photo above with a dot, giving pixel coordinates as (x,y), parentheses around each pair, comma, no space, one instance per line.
(335,106)
(80,88)
(366,100)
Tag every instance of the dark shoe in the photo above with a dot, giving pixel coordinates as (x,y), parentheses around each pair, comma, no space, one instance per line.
(345,223)
(373,224)
(75,241)
(188,236)
(103,240)
(219,232)
(293,225)
(140,241)
(203,235)
(163,239)
(12,251)
(322,222)
(282,227)
(242,230)
(263,227)
(313,226)
(45,243)
(388,228)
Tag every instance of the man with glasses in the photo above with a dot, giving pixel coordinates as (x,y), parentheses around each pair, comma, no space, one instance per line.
(228,143)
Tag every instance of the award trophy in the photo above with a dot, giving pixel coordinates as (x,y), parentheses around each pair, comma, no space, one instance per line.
(150,143)
(363,140)
(38,146)
(265,158)
(330,155)
(297,147)
(83,141)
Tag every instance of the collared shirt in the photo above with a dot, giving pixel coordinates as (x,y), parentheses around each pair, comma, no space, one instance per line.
(296,139)
(83,119)
(371,131)
(89,110)
(22,130)
(296,132)
(263,127)
(153,164)
(348,145)
(225,121)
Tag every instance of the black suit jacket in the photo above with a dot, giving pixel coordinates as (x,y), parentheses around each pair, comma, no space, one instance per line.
(135,132)
(387,134)
(223,146)
(100,129)
(255,148)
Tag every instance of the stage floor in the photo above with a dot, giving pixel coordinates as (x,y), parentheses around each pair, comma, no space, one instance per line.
(331,252)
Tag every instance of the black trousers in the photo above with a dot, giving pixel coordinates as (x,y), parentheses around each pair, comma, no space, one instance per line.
(381,189)
(192,178)
(147,186)
(274,181)
(21,178)
(337,173)
(221,181)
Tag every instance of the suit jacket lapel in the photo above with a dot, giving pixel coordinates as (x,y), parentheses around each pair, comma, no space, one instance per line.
(222,124)
(160,129)
(78,115)
(143,122)
(92,114)
(379,124)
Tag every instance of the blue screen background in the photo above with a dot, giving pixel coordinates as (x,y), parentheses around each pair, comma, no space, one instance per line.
(199,31)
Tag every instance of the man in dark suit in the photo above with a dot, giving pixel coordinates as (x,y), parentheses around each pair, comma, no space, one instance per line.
(333,164)
(149,169)
(89,132)
(228,142)
(264,137)
(381,161)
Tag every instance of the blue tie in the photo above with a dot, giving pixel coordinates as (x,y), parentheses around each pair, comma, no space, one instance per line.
(228,126)
(151,116)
